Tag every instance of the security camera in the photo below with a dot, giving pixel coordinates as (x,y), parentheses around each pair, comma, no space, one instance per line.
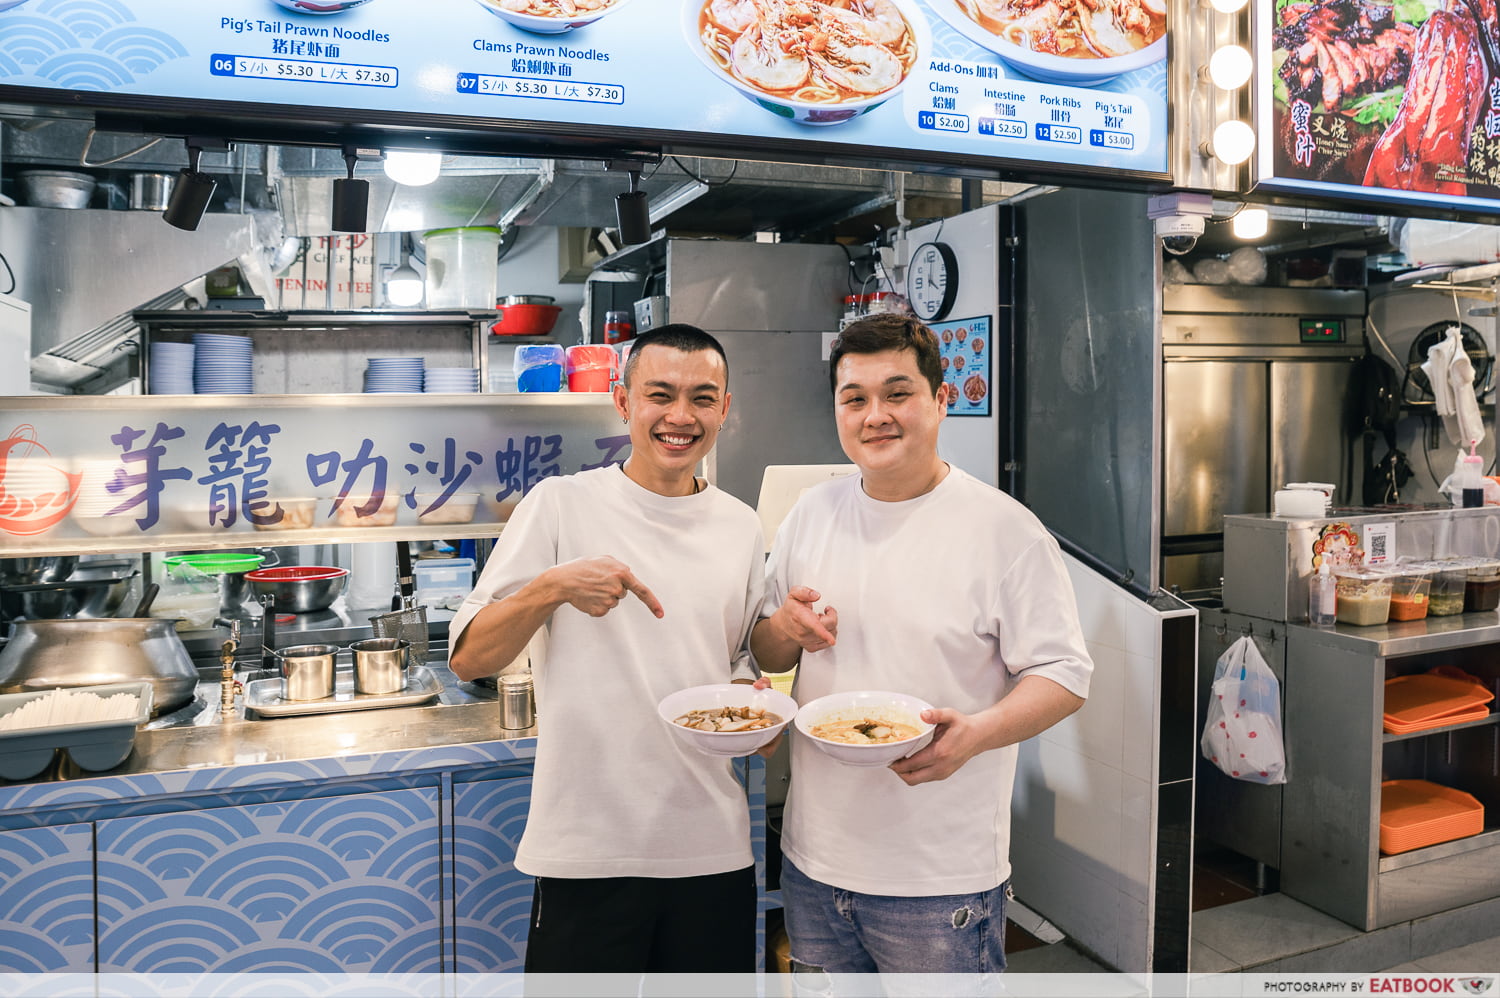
(1179,233)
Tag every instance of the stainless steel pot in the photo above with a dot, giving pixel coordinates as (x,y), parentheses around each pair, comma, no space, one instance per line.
(307,671)
(35,571)
(300,588)
(51,654)
(151,191)
(85,593)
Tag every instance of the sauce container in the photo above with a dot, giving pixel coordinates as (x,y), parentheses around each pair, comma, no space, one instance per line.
(1450,577)
(1364,596)
(1482,590)
(1409,593)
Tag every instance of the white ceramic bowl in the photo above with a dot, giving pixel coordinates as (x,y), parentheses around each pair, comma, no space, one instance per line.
(856,704)
(549,25)
(320,6)
(804,112)
(1045,67)
(725,743)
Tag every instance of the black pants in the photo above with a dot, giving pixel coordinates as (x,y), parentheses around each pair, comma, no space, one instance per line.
(671,925)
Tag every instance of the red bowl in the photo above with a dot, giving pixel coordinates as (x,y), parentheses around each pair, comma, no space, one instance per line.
(526,320)
(294,573)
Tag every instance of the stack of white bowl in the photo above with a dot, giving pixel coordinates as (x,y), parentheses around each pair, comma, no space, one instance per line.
(37,485)
(393,374)
(222,365)
(171,371)
(451,380)
(96,499)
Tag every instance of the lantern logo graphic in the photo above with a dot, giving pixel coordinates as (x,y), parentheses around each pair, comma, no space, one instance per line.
(36,489)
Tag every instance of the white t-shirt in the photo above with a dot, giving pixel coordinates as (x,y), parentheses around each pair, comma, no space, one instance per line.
(953,597)
(615,793)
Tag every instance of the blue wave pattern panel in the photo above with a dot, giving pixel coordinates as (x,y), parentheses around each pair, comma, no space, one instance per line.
(82,45)
(47,899)
(335,884)
(491,898)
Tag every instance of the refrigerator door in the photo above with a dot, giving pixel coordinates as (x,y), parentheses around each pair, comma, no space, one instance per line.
(1311,407)
(781,408)
(1215,443)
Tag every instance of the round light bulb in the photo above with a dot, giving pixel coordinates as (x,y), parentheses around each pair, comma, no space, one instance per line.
(414,169)
(1233,142)
(1230,67)
(1227,6)
(1250,223)
(404,286)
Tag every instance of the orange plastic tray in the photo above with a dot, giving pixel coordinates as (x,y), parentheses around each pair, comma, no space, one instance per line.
(1441,721)
(1419,698)
(1418,813)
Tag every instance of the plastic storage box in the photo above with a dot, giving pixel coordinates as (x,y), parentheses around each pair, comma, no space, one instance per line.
(1449,579)
(1418,813)
(1482,591)
(1364,596)
(439,578)
(1410,588)
(93,745)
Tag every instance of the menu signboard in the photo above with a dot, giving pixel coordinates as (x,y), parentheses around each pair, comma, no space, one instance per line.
(1390,100)
(984,82)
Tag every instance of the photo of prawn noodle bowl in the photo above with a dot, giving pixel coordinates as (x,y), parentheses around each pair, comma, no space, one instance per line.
(1065,41)
(817,63)
(550,17)
(726,719)
(866,727)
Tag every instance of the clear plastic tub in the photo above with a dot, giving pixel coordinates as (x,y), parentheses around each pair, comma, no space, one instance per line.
(462,266)
(1364,596)
(1482,588)
(1450,576)
(1409,593)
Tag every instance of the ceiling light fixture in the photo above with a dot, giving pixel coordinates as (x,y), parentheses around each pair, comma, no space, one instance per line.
(413,169)
(351,198)
(1230,67)
(1250,223)
(191,194)
(404,285)
(1232,144)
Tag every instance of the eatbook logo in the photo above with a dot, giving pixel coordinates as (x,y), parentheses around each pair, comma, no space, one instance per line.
(1476,985)
(36,489)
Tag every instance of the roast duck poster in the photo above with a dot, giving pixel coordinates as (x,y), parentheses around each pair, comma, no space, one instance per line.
(1400,96)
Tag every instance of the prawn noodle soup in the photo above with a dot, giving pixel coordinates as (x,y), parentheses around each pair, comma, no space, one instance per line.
(864,730)
(810,51)
(562,9)
(1077,29)
(728,719)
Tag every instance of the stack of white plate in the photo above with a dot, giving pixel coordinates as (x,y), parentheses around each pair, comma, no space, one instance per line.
(455,380)
(222,365)
(393,374)
(171,368)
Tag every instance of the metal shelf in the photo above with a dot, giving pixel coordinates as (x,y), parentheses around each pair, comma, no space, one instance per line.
(205,319)
(1486,839)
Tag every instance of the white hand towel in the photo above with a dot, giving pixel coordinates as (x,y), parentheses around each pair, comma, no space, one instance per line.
(1439,378)
(1461,387)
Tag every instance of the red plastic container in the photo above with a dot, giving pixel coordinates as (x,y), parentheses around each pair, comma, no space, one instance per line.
(526,320)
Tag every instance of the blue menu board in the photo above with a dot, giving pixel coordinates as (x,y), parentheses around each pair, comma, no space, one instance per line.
(924,80)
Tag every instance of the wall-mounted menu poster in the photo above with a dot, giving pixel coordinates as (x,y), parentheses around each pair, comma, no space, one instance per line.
(1076,83)
(1393,100)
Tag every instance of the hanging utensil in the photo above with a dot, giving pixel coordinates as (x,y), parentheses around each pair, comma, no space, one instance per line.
(406,619)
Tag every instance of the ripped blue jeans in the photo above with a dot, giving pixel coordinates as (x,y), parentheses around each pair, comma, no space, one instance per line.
(844,932)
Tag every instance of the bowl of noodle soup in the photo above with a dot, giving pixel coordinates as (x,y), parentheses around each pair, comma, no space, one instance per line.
(865,727)
(551,17)
(1064,41)
(726,719)
(807,61)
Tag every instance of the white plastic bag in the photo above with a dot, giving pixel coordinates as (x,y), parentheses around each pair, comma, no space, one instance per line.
(1242,735)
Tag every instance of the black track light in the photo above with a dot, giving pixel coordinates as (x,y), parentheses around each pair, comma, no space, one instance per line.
(190,195)
(633,213)
(351,199)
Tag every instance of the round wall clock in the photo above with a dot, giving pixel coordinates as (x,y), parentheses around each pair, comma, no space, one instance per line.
(932,281)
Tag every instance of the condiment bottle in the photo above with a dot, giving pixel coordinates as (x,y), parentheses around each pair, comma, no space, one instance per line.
(618,327)
(1471,479)
(1322,597)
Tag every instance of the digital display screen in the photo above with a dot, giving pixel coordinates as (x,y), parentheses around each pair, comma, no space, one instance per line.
(1329,129)
(1321,330)
(856,80)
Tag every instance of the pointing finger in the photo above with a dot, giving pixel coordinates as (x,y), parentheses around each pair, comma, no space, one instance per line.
(645,595)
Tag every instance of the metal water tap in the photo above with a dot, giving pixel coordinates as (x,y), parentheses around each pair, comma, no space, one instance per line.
(227,684)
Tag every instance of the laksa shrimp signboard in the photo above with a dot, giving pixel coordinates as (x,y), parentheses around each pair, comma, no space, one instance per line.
(1388,100)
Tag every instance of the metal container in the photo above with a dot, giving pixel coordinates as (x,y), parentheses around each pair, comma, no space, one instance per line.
(379,665)
(300,588)
(51,654)
(307,671)
(151,191)
(517,701)
(88,592)
(32,571)
(56,188)
(526,300)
